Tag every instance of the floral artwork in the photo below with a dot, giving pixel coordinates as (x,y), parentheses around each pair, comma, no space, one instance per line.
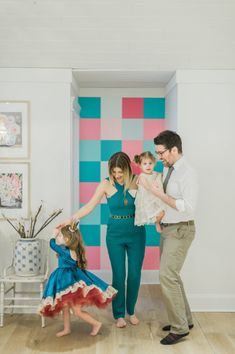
(14,129)
(11,129)
(14,190)
(11,190)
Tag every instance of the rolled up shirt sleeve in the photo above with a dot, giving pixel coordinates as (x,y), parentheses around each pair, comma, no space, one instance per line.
(189,192)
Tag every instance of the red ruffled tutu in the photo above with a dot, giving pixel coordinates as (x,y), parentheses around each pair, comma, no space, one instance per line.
(77,294)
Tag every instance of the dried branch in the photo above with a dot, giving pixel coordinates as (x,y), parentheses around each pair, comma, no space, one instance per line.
(35,219)
(11,223)
(49,220)
(30,232)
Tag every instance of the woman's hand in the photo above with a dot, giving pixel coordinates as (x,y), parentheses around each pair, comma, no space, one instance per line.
(66,222)
(56,231)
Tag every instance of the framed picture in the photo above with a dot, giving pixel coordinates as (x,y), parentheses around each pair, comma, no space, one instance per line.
(14,190)
(14,129)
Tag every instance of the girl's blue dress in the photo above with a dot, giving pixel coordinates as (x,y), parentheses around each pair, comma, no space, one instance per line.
(69,285)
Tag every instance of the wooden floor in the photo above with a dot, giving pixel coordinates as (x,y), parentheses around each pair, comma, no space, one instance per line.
(213,333)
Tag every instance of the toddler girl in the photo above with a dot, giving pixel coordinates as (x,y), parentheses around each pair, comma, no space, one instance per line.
(71,286)
(148,208)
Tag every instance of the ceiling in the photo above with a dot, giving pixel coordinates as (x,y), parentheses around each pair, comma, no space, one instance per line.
(109,42)
(120,78)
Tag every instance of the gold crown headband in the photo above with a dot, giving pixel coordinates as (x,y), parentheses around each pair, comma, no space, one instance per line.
(73,227)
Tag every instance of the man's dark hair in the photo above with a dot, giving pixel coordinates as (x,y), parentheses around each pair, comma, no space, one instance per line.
(169,139)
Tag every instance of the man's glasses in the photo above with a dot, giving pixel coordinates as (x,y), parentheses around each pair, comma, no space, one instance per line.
(160,153)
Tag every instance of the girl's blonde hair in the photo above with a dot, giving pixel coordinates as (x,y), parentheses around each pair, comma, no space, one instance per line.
(144,155)
(121,160)
(74,242)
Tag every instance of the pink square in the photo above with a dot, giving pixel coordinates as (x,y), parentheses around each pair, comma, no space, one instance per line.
(89,129)
(132,107)
(152,258)
(93,257)
(132,147)
(152,127)
(105,262)
(135,168)
(111,129)
(86,190)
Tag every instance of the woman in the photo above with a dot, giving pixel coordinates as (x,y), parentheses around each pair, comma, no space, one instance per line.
(123,237)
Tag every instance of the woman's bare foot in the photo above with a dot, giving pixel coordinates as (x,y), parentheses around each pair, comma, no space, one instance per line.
(63,333)
(121,323)
(95,329)
(134,320)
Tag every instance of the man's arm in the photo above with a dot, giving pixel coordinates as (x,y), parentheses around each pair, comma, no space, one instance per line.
(157,191)
(189,189)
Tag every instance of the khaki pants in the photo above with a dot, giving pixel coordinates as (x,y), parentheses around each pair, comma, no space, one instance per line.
(175,242)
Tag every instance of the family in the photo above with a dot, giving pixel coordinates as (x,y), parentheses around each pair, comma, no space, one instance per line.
(169,202)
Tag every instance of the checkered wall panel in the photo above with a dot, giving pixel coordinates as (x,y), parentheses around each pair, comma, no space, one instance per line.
(107,125)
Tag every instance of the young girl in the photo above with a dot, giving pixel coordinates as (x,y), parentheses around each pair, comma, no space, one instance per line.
(71,286)
(148,208)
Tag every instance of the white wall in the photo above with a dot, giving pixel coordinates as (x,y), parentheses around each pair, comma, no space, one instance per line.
(49,94)
(205,110)
(172,108)
(206,122)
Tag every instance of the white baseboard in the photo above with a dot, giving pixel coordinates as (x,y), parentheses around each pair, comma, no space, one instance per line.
(198,302)
(212,302)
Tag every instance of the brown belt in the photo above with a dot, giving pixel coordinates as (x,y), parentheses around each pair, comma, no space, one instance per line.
(190,222)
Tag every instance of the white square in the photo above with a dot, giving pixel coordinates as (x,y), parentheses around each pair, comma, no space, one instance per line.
(103,231)
(111,107)
(104,170)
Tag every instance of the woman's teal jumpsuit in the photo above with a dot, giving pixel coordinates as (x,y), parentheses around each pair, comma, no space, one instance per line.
(124,238)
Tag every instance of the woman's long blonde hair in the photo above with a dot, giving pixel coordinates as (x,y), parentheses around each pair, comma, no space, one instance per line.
(121,160)
(74,242)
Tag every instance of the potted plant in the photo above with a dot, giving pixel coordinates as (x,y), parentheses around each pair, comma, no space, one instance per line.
(27,253)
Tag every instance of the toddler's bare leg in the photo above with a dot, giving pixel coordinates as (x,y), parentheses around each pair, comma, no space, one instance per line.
(67,328)
(96,325)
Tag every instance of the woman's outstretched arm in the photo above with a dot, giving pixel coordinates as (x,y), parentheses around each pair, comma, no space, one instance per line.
(99,193)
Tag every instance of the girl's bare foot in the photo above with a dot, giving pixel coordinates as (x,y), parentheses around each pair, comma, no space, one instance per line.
(134,320)
(63,333)
(121,323)
(95,329)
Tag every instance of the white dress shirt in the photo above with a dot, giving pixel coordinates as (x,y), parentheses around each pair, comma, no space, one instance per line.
(183,187)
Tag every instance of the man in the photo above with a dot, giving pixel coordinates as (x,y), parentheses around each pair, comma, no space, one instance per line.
(178,231)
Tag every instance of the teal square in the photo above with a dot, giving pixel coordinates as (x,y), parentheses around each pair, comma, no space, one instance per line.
(89,171)
(90,107)
(159,166)
(148,145)
(154,107)
(109,147)
(152,236)
(89,150)
(105,212)
(92,218)
(90,234)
